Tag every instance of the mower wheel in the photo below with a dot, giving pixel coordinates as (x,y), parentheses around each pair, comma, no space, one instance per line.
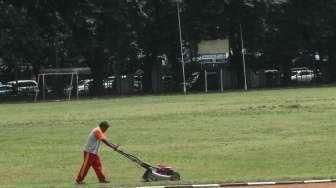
(174,176)
(149,176)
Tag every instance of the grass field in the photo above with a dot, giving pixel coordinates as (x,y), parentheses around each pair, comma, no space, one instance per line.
(234,136)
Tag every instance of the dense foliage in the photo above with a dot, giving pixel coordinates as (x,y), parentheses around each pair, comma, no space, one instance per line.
(120,37)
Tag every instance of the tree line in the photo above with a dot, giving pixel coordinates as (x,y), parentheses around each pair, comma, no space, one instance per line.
(122,36)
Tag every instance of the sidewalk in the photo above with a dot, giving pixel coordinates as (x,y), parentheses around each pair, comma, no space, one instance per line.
(329,183)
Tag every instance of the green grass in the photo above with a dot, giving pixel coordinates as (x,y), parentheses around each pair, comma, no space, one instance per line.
(235,136)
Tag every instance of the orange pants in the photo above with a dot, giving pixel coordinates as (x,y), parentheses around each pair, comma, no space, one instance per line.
(93,160)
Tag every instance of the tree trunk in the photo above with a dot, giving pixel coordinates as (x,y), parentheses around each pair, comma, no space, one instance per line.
(97,68)
(285,69)
(148,67)
(176,69)
(236,58)
(331,67)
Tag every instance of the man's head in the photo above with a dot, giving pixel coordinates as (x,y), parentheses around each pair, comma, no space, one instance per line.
(104,126)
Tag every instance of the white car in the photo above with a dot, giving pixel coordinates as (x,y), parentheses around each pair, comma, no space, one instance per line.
(84,85)
(25,87)
(304,75)
(109,82)
(6,90)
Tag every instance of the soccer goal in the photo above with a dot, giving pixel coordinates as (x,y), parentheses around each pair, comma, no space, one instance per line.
(59,83)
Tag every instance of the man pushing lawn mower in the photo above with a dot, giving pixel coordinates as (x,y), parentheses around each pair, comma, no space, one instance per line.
(97,135)
(91,157)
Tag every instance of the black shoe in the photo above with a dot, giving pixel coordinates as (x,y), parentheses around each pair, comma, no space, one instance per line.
(104,181)
(80,182)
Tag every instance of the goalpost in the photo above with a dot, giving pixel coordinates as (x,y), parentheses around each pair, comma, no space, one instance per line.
(42,78)
(60,82)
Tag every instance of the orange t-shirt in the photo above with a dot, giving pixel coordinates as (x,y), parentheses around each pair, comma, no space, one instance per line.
(99,133)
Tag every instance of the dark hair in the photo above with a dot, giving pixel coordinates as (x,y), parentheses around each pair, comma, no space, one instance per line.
(104,125)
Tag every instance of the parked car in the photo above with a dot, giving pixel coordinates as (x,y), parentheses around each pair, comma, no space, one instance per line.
(109,82)
(84,85)
(6,90)
(191,80)
(303,75)
(24,87)
(137,82)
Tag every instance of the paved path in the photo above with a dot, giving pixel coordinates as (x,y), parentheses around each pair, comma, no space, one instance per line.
(303,184)
(313,185)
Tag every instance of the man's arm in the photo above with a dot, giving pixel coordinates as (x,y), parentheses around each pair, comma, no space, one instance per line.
(109,144)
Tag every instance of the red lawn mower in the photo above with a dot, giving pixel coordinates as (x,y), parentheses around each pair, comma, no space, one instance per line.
(153,173)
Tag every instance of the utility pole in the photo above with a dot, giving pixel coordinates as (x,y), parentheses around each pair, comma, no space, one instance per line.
(181,44)
(243,55)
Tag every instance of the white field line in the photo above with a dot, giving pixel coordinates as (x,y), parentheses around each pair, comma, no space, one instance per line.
(316,181)
(246,184)
(207,185)
(261,183)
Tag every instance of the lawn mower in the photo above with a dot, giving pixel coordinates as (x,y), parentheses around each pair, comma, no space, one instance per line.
(153,173)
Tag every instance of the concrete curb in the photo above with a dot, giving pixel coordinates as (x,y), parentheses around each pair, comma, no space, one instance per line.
(243,184)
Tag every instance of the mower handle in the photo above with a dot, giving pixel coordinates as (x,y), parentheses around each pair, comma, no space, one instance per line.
(134,159)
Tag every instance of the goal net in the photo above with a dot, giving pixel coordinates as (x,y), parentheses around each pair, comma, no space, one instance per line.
(59,84)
